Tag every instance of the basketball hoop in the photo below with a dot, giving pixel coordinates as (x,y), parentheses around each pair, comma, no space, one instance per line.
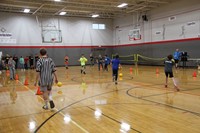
(53,40)
(137,38)
(134,38)
(131,38)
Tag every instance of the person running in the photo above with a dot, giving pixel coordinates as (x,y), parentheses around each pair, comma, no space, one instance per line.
(83,60)
(46,72)
(11,66)
(115,68)
(66,61)
(168,71)
(106,62)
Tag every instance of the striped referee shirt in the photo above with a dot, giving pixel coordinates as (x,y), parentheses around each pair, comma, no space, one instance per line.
(45,66)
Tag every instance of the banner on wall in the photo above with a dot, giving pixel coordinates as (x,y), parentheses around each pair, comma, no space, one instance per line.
(6,38)
(5,35)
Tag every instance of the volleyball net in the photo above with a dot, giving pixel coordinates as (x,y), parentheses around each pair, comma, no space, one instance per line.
(140,60)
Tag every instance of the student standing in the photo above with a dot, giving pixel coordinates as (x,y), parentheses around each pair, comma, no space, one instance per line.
(46,72)
(11,66)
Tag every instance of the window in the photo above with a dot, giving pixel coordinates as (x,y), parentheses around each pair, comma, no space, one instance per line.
(98,26)
(102,26)
(95,26)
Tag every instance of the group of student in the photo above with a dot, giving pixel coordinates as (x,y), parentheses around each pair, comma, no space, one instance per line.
(12,63)
(46,73)
(21,62)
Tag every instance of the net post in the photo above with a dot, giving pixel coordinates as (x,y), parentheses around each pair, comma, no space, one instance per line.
(136,59)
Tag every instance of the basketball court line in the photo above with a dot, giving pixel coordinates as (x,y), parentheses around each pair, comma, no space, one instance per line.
(115,120)
(71,105)
(178,108)
(84,130)
(182,91)
(58,111)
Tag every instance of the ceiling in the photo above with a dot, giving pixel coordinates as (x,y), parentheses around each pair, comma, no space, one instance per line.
(81,8)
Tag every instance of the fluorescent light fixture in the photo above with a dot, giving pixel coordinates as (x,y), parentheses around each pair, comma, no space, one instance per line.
(95,15)
(57,0)
(62,13)
(122,5)
(26,10)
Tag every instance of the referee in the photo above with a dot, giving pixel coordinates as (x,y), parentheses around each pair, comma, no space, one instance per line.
(46,72)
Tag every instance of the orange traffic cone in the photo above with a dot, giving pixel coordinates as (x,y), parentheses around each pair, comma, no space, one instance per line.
(194,74)
(38,91)
(26,82)
(157,71)
(16,77)
(131,69)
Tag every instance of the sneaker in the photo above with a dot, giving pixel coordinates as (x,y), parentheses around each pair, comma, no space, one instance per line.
(116,82)
(177,89)
(81,71)
(113,78)
(45,107)
(165,86)
(52,105)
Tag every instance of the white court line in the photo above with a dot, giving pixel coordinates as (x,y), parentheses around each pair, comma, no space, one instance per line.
(75,123)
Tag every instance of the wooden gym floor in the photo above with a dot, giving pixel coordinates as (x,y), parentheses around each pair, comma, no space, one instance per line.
(92,103)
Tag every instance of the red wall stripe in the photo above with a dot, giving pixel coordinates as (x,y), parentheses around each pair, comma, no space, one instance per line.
(108,46)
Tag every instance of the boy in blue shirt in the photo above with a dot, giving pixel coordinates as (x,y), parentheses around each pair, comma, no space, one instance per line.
(115,68)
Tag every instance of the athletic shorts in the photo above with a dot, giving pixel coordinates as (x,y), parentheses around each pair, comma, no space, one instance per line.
(169,74)
(176,61)
(45,88)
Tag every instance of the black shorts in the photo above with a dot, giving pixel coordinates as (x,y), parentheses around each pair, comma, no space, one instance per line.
(176,60)
(169,74)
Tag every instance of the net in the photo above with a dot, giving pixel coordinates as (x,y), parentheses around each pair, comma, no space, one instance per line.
(140,59)
(150,61)
(127,59)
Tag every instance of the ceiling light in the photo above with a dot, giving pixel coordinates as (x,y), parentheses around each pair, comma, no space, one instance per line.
(57,0)
(95,15)
(26,10)
(62,13)
(122,5)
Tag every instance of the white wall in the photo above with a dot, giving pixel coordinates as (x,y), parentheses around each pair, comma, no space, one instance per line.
(26,29)
(158,21)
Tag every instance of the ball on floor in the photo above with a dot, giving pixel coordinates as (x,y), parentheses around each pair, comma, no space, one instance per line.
(59,84)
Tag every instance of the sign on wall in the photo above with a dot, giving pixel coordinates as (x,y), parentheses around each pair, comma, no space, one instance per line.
(6,38)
